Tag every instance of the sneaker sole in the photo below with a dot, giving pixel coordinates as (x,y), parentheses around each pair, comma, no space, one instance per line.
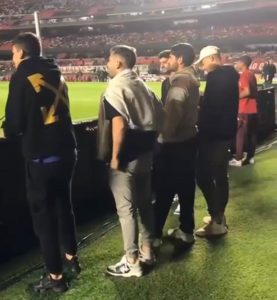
(123,275)
(211,235)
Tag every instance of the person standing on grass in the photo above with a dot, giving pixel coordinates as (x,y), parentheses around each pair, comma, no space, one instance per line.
(248,114)
(163,59)
(129,120)
(177,146)
(37,110)
(217,127)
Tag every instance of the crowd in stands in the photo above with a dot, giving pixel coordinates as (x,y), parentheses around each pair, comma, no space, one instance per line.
(12,7)
(77,41)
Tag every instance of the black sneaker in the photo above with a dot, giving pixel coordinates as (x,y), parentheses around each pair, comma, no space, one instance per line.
(73,265)
(46,283)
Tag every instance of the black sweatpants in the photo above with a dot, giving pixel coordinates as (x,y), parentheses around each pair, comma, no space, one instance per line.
(49,196)
(212,174)
(174,173)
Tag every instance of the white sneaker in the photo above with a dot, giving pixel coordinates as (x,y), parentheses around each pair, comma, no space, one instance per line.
(177,233)
(212,229)
(147,258)
(208,219)
(235,163)
(125,269)
(177,211)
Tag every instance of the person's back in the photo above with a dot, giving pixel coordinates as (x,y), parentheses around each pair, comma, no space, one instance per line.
(46,125)
(217,128)
(218,110)
(37,109)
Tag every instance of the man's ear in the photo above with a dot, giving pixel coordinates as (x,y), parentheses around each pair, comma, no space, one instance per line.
(180,60)
(21,53)
(119,64)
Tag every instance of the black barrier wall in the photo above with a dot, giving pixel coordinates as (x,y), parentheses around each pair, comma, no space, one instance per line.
(90,193)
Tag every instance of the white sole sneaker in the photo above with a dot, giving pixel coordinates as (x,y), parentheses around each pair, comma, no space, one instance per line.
(125,269)
(211,230)
(208,219)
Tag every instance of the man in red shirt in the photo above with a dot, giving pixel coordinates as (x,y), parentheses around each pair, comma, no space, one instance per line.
(248,114)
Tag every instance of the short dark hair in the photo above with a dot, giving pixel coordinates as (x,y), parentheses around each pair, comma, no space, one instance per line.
(164,54)
(29,43)
(185,51)
(127,53)
(246,59)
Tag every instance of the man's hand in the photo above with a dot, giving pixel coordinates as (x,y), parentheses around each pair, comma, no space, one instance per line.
(114,165)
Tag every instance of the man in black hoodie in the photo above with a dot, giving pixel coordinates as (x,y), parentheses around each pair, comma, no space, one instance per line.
(37,110)
(217,125)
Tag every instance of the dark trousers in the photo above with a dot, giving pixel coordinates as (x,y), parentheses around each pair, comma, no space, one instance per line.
(49,196)
(212,174)
(246,135)
(174,173)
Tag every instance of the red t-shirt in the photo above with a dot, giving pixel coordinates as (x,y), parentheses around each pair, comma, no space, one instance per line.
(248,105)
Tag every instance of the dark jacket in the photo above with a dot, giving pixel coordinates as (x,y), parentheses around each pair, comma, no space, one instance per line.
(165,88)
(38,110)
(181,107)
(219,106)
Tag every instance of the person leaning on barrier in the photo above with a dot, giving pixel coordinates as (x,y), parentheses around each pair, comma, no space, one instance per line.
(129,121)
(217,127)
(37,109)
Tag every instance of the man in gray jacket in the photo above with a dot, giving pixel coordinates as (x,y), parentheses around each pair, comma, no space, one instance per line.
(128,126)
(176,158)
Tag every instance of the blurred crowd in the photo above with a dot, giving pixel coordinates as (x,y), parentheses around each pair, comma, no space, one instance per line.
(12,7)
(212,34)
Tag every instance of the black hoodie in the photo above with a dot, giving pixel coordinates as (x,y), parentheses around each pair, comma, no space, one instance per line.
(38,109)
(219,106)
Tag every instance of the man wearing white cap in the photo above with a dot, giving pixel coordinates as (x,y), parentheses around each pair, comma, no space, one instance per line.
(217,125)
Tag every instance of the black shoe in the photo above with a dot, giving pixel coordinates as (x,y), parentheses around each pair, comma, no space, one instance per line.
(46,283)
(73,265)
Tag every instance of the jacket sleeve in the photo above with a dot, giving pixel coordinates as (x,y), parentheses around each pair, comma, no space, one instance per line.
(15,120)
(176,99)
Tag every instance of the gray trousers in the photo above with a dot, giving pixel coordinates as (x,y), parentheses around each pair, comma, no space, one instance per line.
(132,194)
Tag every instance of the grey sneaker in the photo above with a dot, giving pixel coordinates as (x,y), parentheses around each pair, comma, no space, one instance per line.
(125,269)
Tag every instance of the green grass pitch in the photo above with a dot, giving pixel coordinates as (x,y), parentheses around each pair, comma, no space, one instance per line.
(84,97)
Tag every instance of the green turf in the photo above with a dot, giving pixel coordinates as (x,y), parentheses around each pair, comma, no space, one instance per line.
(84,97)
(240,266)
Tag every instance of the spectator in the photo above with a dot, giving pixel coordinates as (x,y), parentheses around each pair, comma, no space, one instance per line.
(217,128)
(269,71)
(129,111)
(176,157)
(43,120)
(248,114)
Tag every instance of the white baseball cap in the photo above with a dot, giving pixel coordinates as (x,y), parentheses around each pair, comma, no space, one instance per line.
(206,52)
